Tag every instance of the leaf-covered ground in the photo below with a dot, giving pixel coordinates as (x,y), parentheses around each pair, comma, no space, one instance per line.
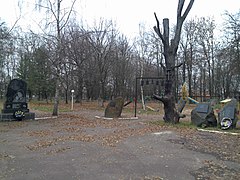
(54,136)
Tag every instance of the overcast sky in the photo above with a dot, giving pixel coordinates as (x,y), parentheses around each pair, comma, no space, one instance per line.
(127,14)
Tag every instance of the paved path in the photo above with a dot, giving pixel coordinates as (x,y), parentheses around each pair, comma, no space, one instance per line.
(77,147)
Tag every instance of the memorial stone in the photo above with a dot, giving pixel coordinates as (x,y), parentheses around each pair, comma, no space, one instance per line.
(203,116)
(114,108)
(227,117)
(15,106)
(16,97)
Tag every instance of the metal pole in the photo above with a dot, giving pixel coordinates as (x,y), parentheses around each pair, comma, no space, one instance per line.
(136,91)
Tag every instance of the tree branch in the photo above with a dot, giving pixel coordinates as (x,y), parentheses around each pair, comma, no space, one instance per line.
(180,19)
(188,9)
(52,10)
(157,29)
(159,98)
(15,23)
(177,66)
(71,9)
(180,7)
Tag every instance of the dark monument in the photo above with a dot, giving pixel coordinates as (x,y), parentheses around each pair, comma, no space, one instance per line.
(114,108)
(227,117)
(15,106)
(203,115)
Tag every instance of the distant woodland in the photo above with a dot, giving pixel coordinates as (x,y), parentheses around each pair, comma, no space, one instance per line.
(101,62)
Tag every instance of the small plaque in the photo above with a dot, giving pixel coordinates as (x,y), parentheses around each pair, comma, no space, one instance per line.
(228,111)
(202,108)
(16,106)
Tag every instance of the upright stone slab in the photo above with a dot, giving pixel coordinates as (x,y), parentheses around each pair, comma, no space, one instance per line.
(114,108)
(203,115)
(227,117)
(16,97)
(15,106)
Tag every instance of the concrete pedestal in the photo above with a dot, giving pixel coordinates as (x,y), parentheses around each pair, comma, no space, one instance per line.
(10,117)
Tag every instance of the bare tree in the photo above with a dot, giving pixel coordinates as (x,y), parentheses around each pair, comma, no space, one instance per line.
(121,70)
(188,43)
(205,29)
(78,51)
(228,57)
(143,49)
(102,40)
(60,19)
(170,51)
(232,29)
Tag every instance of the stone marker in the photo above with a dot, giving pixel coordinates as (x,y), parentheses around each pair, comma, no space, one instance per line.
(114,108)
(227,117)
(16,97)
(15,106)
(203,115)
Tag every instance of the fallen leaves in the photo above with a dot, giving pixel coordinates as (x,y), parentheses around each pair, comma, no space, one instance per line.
(74,127)
(225,147)
(4,156)
(213,170)
(40,133)
(58,150)
(81,137)
(41,144)
(112,138)
(80,129)
(6,126)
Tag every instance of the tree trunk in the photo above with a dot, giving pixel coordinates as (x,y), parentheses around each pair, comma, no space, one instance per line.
(79,89)
(56,99)
(170,51)
(142,92)
(204,82)
(171,114)
(60,23)
(190,72)
(58,60)
(66,96)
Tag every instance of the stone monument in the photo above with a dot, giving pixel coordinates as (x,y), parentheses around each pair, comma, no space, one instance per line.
(203,115)
(15,106)
(228,117)
(114,108)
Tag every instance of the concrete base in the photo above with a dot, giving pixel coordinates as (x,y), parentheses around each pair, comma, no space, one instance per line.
(9,116)
(119,118)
